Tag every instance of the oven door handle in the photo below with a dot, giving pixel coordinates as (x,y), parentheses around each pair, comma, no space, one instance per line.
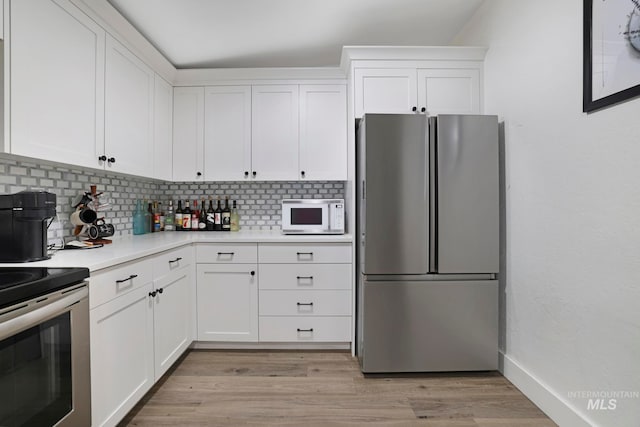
(30,319)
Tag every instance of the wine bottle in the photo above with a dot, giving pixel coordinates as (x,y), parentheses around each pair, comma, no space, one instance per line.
(210,216)
(235,218)
(162,216)
(195,218)
(169,218)
(186,217)
(178,218)
(202,221)
(151,228)
(217,225)
(226,215)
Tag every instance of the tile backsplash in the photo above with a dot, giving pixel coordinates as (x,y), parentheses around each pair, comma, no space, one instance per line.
(258,202)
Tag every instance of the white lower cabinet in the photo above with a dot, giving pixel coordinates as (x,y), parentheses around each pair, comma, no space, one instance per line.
(122,363)
(139,328)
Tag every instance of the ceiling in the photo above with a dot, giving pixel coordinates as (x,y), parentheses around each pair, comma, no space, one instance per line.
(288,33)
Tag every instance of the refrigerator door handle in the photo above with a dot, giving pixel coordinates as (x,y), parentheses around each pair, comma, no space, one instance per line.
(433,194)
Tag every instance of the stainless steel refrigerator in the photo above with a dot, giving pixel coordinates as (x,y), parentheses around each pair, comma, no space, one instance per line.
(428,242)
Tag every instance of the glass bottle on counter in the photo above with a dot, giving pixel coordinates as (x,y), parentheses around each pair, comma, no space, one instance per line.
(178,218)
(149,217)
(156,217)
(186,217)
(202,221)
(217,226)
(169,218)
(195,218)
(210,216)
(235,218)
(138,219)
(226,215)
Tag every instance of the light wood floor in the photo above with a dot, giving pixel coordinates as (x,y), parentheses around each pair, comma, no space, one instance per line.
(228,388)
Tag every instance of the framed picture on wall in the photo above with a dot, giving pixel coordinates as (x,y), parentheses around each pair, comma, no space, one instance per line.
(611,52)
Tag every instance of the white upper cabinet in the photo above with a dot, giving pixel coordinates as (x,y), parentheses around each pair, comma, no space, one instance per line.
(449,91)
(274,130)
(129,89)
(227,133)
(323,132)
(188,133)
(56,83)
(163,130)
(385,90)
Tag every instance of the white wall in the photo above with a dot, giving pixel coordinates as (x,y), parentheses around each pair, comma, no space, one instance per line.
(571,303)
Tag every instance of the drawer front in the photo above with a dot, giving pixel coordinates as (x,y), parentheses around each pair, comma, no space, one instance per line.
(305,329)
(305,303)
(166,262)
(227,253)
(305,276)
(304,253)
(110,283)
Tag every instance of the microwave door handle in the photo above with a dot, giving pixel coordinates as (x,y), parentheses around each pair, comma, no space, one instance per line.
(33,318)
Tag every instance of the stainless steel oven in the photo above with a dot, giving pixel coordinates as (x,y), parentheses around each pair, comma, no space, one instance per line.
(44,348)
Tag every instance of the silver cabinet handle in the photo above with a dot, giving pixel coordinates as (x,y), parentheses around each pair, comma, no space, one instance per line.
(133,276)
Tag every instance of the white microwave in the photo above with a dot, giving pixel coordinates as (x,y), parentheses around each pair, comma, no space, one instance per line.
(313,216)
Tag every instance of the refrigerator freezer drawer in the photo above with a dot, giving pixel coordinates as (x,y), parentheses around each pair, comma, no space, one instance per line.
(428,326)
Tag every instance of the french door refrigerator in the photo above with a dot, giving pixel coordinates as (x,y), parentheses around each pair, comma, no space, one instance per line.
(428,242)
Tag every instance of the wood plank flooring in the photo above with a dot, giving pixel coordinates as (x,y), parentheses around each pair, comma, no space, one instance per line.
(311,388)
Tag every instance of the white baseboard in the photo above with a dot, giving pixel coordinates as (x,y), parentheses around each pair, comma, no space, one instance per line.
(550,402)
(204,345)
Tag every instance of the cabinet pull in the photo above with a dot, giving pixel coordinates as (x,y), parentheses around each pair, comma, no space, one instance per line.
(304,303)
(246,173)
(133,276)
(111,160)
(305,330)
(171,261)
(253,273)
(152,294)
(160,290)
(199,173)
(302,173)
(304,253)
(254,173)
(304,277)
(423,110)
(414,109)
(102,158)
(226,253)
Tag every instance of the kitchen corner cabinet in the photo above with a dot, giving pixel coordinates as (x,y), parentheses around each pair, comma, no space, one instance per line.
(423,90)
(188,133)
(323,132)
(227,133)
(274,130)
(163,130)
(227,292)
(129,89)
(57,62)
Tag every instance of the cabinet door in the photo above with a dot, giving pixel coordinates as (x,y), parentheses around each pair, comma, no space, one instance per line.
(323,132)
(171,318)
(163,130)
(227,133)
(188,133)
(449,91)
(122,368)
(227,296)
(129,87)
(385,90)
(57,83)
(274,130)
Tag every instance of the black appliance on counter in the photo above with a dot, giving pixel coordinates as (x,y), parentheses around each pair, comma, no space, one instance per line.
(23,225)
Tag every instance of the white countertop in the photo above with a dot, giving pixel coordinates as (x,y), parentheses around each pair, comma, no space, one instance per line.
(128,248)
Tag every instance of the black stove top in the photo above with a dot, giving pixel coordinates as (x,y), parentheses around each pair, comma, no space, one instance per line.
(19,284)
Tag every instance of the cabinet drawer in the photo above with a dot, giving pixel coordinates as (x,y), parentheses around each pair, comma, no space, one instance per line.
(107,284)
(166,262)
(305,329)
(304,253)
(305,276)
(226,253)
(305,303)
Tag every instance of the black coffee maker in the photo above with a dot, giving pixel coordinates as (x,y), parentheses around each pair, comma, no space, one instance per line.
(24,219)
